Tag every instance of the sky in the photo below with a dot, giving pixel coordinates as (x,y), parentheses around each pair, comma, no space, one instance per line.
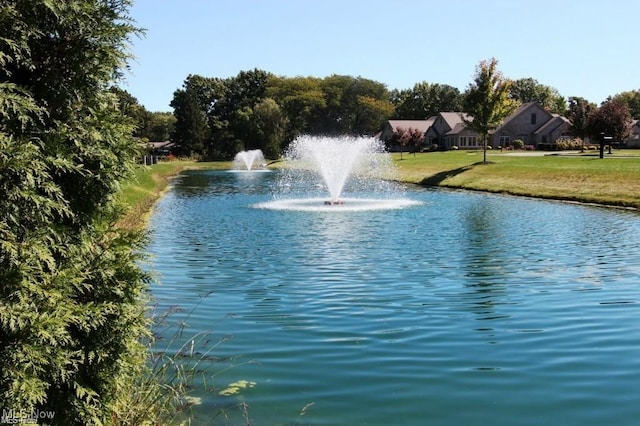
(583,48)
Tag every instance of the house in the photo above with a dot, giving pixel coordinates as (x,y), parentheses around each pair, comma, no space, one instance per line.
(557,128)
(161,149)
(393,126)
(448,130)
(530,123)
(533,125)
(633,140)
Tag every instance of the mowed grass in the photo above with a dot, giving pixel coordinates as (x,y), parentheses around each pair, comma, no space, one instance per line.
(614,180)
(141,192)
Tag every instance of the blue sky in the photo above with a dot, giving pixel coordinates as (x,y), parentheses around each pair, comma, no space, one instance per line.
(582,48)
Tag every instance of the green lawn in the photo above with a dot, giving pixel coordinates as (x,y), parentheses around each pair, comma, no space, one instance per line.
(614,180)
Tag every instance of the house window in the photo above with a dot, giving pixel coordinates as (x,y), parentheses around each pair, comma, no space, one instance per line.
(504,140)
(472,141)
(463,141)
(533,118)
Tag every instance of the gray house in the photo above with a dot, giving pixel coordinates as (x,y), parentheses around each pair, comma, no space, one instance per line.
(392,126)
(633,140)
(448,130)
(530,123)
(533,125)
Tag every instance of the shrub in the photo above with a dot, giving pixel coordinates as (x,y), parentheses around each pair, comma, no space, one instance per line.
(72,307)
(518,144)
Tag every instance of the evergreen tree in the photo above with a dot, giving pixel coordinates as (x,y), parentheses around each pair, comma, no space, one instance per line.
(71,308)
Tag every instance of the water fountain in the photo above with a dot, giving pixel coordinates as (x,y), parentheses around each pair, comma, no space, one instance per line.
(252,160)
(321,170)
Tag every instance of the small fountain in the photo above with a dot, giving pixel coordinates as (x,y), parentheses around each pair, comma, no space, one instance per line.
(251,160)
(320,166)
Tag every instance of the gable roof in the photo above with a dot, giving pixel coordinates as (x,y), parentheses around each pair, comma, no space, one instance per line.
(452,118)
(422,125)
(520,110)
(458,128)
(553,124)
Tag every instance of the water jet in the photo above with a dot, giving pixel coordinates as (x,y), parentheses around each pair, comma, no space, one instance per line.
(321,166)
(251,160)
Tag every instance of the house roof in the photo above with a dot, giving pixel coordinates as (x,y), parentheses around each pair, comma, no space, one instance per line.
(552,124)
(422,125)
(453,118)
(160,145)
(457,128)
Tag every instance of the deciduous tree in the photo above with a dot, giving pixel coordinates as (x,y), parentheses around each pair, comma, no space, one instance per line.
(632,100)
(529,90)
(578,113)
(612,119)
(425,100)
(487,101)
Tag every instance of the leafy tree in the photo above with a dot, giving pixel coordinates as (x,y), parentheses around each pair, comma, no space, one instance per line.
(410,138)
(130,107)
(487,101)
(267,128)
(365,106)
(153,126)
(612,118)
(71,314)
(348,101)
(529,90)
(229,115)
(160,126)
(632,100)
(300,98)
(426,100)
(191,105)
(578,113)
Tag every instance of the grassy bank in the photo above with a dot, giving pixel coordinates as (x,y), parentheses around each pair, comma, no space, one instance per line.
(148,184)
(613,181)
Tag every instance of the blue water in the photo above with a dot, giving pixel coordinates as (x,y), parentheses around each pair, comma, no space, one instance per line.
(467,309)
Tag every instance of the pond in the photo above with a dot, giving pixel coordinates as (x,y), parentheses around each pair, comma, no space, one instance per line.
(461,308)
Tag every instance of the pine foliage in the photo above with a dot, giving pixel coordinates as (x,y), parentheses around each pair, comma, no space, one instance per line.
(72,308)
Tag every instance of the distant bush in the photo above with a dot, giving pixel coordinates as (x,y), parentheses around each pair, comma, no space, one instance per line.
(518,144)
(562,144)
(574,143)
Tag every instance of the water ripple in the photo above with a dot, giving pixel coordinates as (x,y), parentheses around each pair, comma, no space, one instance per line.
(462,309)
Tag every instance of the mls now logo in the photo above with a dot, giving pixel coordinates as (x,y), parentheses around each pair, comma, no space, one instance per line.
(13,417)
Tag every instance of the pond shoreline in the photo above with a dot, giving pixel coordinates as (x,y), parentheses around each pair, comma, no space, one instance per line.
(151,182)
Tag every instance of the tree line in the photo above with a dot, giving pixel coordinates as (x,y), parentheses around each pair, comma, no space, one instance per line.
(214,118)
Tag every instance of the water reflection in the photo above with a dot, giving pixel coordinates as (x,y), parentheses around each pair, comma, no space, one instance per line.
(485,251)
(221,183)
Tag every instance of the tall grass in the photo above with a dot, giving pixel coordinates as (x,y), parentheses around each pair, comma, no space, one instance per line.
(162,393)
